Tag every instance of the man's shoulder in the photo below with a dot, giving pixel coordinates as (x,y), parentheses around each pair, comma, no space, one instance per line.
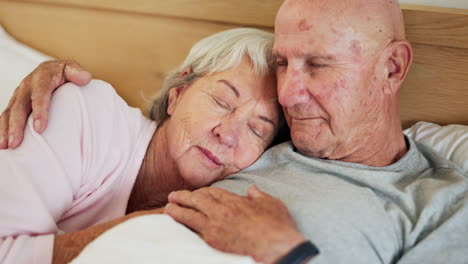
(273,156)
(437,161)
(259,170)
(278,167)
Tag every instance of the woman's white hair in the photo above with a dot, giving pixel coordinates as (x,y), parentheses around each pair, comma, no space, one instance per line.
(219,52)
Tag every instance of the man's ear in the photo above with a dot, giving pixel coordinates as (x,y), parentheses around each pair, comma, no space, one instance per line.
(398,62)
(173,99)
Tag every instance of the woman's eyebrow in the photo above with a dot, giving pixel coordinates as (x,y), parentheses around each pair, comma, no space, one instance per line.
(268,120)
(233,88)
(236,92)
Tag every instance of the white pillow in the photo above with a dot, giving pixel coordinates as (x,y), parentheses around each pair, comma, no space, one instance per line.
(449,141)
(16,62)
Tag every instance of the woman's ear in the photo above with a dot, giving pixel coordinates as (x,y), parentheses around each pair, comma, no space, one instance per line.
(175,93)
(173,98)
(397,65)
(185,72)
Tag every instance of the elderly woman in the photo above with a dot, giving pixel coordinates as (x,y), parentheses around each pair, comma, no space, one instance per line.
(100,160)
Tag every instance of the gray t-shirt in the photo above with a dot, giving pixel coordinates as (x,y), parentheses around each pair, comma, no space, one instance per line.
(413,211)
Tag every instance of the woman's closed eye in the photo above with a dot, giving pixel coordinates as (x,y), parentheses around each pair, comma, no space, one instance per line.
(221,103)
(261,131)
(257,132)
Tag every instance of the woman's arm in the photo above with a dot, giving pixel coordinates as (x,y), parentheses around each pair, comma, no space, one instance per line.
(34,94)
(58,174)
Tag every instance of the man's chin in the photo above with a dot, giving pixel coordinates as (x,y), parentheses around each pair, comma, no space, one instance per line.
(312,148)
(317,145)
(312,153)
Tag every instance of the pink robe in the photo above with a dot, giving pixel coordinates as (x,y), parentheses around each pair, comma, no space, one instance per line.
(76,174)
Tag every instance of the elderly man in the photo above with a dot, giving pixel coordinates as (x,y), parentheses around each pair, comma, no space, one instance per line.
(354,185)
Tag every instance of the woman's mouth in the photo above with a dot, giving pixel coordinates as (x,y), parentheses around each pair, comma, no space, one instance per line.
(210,156)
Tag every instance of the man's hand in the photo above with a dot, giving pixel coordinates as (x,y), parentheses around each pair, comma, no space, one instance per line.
(257,225)
(34,93)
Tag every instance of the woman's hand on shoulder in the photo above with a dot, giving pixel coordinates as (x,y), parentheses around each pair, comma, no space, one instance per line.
(34,94)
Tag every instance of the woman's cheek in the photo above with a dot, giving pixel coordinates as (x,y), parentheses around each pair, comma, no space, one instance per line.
(249,156)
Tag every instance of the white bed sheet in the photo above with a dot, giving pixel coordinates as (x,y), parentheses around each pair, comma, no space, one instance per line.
(154,239)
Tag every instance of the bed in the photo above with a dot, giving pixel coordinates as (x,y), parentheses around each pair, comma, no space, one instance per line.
(132,44)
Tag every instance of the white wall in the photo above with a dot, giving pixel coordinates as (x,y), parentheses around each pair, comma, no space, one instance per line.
(442,3)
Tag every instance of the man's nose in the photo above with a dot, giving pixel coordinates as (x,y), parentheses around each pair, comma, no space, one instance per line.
(292,88)
(228,131)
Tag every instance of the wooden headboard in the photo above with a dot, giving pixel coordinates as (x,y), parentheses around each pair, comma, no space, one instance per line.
(132,44)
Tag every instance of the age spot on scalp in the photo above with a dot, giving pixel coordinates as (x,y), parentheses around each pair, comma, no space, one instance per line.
(342,83)
(336,32)
(356,48)
(303,26)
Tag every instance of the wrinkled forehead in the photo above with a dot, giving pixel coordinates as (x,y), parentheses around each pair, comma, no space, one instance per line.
(338,9)
(332,29)
(329,42)
(303,15)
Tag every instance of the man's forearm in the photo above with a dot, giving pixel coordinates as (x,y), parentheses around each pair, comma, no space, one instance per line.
(69,245)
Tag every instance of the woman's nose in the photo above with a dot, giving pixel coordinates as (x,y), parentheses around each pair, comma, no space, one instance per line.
(292,88)
(228,132)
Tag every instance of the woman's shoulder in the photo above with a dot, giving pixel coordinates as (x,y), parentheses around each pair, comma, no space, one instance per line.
(97,101)
(96,93)
(108,131)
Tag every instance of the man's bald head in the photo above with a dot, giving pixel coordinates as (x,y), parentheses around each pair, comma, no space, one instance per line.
(340,66)
(376,22)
